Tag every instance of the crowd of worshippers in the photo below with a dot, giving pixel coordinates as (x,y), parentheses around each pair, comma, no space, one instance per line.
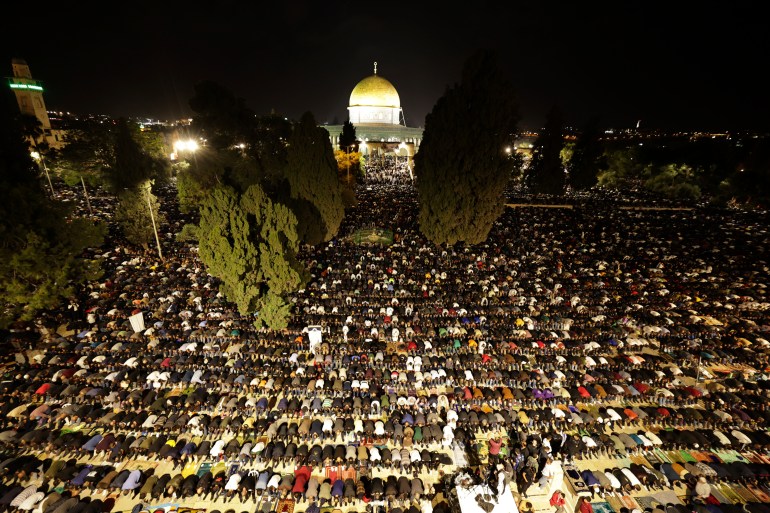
(567,337)
(388,169)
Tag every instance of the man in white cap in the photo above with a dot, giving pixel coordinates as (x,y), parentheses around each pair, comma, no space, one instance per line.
(702,490)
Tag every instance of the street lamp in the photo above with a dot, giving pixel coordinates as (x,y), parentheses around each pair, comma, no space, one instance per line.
(188,145)
(39,159)
(146,188)
(347,160)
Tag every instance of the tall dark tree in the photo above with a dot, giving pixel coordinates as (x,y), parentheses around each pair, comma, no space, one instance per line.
(269,150)
(348,137)
(546,172)
(154,147)
(221,118)
(230,127)
(462,167)
(133,214)
(88,153)
(32,129)
(312,176)
(587,157)
(751,181)
(131,165)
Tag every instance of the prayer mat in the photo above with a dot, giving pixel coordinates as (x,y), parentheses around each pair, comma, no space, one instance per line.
(575,480)
(761,495)
(285,506)
(653,459)
(714,458)
(701,456)
(647,502)
(629,502)
(667,497)
(139,465)
(718,495)
(744,493)
(615,502)
(662,456)
(330,472)
(602,507)
(205,467)
(728,492)
(728,456)
(687,457)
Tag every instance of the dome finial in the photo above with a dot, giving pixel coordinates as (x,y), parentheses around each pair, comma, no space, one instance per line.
(375,67)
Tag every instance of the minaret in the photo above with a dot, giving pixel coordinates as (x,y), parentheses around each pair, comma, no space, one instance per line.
(29,95)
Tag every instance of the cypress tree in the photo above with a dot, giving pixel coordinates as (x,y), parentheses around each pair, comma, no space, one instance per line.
(546,172)
(312,175)
(462,168)
(587,158)
(250,243)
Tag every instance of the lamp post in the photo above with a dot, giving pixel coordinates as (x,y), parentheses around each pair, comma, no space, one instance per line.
(402,149)
(347,161)
(39,158)
(85,191)
(186,145)
(152,218)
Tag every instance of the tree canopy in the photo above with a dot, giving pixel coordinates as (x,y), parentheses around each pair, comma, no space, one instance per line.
(348,141)
(462,168)
(88,153)
(131,164)
(587,159)
(41,245)
(220,117)
(546,171)
(262,186)
(133,214)
(250,243)
(312,175)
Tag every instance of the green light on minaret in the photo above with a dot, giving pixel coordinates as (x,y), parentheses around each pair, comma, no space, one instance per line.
(26,86)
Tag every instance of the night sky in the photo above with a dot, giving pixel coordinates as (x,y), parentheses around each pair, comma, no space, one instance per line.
(673,65)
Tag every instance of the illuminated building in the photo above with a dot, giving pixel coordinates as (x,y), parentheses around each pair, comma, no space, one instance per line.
(29,95)
(375,111)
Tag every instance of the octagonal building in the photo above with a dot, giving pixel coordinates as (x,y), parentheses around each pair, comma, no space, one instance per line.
(375,110)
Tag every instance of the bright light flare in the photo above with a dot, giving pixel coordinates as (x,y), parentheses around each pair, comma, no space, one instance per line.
(185,145)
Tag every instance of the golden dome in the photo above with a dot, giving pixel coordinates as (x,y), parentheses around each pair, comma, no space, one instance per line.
(374,91)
